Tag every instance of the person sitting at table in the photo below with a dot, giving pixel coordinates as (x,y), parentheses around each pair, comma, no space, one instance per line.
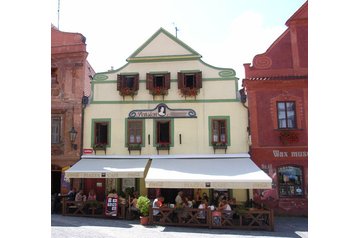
(203,205)
(71,195)
(157,203)
(133,205)
(92,195)
(225,208)
(80,197)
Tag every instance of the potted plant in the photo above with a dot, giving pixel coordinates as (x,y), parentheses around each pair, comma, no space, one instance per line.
(143,204)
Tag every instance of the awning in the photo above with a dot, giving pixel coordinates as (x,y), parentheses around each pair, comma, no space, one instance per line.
(107,168)
(229,173)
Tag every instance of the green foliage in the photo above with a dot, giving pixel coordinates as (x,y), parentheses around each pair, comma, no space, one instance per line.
(143,205)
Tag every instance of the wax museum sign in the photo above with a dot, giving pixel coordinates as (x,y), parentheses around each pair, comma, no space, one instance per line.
(162,111)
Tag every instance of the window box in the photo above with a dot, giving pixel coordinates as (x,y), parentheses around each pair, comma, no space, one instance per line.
(288,137)
(219,146)
(158,91)
(189,92)
(163,147)
(127,92)
(99,147)
(134,147)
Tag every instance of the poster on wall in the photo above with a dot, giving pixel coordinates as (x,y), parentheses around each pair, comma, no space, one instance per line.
(111,205)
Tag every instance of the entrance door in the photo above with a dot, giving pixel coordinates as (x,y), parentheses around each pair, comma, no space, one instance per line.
(98,185)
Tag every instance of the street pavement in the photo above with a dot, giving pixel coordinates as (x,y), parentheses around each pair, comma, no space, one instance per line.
(88,227)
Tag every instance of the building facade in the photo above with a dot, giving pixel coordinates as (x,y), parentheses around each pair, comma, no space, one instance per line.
(276,85)
(164,103)
(70,89)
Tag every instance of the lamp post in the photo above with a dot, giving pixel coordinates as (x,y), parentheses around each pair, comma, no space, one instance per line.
(73,134)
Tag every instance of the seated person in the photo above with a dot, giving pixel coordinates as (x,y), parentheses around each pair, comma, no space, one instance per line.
(157,203)
(225,208)
(203,205)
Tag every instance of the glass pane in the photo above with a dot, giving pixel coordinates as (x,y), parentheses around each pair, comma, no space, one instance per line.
(131,139)
(129,81)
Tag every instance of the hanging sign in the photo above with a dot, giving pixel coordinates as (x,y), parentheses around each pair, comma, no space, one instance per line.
(162,111)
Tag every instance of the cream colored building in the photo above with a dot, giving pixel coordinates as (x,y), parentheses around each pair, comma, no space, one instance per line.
(165,103)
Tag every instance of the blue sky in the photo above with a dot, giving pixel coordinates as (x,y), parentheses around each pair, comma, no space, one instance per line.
(227,33)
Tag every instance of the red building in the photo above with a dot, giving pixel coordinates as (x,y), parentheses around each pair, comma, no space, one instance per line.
(70,89)
(276,86)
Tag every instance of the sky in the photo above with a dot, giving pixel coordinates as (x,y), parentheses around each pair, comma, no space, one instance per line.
(227,33)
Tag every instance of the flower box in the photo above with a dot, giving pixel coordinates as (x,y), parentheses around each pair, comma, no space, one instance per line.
(189,92)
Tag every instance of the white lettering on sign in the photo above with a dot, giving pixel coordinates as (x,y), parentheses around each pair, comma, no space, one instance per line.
(284,154)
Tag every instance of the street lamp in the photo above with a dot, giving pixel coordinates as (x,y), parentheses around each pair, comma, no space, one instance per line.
(73,134)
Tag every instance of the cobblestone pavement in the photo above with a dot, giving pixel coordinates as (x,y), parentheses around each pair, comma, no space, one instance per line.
(85,227)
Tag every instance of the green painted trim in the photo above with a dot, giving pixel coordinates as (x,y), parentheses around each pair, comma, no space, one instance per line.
(158,72)
(109,129)
(171,131)
(223,69)
(100,77)
(227,118)
(171,80)
(126,131)
(111,71)
(175,39)
(167,101)
(128,74)
(190,71)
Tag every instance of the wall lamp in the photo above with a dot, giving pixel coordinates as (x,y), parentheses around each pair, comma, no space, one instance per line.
(73,134)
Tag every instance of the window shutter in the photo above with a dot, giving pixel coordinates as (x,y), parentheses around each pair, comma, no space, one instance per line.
(149,83)
(136,82)
(167,80)
(198,78)
(119,83)
(180,80)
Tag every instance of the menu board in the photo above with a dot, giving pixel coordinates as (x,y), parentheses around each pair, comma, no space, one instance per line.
(111,206)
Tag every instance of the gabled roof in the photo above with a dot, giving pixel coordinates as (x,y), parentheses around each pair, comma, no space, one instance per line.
(163,46)
(300,14)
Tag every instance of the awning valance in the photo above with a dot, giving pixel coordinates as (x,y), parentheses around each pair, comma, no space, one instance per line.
(107,168)
(229,173)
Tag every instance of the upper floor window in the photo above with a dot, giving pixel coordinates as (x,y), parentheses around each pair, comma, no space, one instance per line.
(286,115)
(290,181)
(189,83)
(135,131)
(101,133)
(158,83)
(219,131)
(54,76)
(128,84)
(55,129)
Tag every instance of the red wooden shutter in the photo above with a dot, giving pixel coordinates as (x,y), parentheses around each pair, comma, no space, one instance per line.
(167,80)
(180,80)
(149,83)
(118,82)
(136,82)
(198,78)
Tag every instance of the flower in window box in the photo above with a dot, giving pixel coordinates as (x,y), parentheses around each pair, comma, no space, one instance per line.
(163,146)
(159,91)
(133,146)
(219,144)
(288,137)
(127,91)
(189,92)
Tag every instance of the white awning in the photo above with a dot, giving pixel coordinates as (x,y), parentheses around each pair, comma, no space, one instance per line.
(107,168)
(229,173)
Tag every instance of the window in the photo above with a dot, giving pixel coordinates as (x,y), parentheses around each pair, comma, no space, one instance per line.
(290,181)
(158,83)
(219,132)
(286,115)
(128,84)
(55,129)
(54,76)
(189,83)
(135,132)
(163,132)
(101,133)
